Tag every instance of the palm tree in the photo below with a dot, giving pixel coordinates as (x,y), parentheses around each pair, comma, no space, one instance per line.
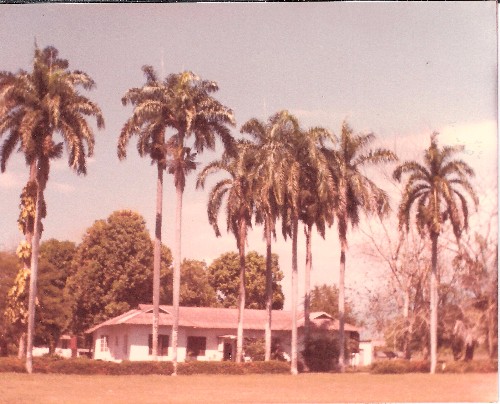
(355,193)
(194,113)
(149,121)
(316,196)
(239,194)
(296,151)
(270,140)
(39,106)
(438,190)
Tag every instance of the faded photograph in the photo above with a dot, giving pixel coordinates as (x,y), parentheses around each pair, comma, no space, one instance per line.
(249,202)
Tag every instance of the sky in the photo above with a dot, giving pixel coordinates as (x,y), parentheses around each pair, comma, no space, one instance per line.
(399,70)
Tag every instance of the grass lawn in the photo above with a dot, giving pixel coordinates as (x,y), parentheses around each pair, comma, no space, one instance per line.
(304,388)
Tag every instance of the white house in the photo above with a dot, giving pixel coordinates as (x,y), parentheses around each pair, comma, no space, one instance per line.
(205,334)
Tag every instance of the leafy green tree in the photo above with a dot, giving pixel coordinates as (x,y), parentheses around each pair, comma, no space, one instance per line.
(54,312)
(9,268)
(438,189)
(355,193)
(224,278)
(326,298)
(39,106)
(239,193)
(113,269)
(196,290)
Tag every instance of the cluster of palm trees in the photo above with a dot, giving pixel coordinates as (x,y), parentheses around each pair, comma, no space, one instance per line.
(277,172)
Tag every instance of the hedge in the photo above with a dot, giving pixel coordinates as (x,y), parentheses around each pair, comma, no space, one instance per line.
(83,366)
(404,366)
(399,366)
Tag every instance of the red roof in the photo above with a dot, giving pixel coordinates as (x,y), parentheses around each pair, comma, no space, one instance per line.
(222,318)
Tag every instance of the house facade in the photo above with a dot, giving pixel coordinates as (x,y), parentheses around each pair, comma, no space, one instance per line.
(205,334)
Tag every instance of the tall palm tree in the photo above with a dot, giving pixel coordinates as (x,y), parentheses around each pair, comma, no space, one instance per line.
(195,114)
(355,193)
(41,105)
(438,190)
(270,140)
(316,196)
(149,121)
(266,209)
(239,194)
(298,154)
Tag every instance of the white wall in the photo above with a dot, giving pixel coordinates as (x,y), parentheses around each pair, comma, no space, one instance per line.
(130,342)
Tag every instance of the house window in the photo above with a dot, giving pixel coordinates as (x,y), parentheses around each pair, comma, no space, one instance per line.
(162,344)
(196,346)
(104,343)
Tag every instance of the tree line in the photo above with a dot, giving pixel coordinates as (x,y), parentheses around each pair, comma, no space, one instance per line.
(276,172)
(110,272)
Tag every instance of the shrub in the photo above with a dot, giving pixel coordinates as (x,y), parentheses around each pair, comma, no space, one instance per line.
(255,348)
(399,366)
(477,366)
(218,368)
(321,354)
(271,367)
(11,364)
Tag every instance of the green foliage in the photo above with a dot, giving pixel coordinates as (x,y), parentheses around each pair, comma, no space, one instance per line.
(113,269)
(82,366)
(9,267)
(255,349)
(399,366)
(476,366)
(326,298)
(195,288)
(223,276)
(232,368)
(53,314)
(321,354)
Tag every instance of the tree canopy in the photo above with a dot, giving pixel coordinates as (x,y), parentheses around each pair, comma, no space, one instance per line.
(223,275)
(113,269)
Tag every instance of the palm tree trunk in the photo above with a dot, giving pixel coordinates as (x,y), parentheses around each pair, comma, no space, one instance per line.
(242,294)
(343,246)
(269,291)
(157,260)
(26,263)
(176,276)
(41,182)
(307,284)
(433,305)
(295,295)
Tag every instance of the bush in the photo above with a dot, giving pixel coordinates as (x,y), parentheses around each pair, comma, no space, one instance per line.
(145,368)
(11,364)
(321,354)
(209,368)
(255,348)
(271,367)
(232,368)
(399,366)
(477,366)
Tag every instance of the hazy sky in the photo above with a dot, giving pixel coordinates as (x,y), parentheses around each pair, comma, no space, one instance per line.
(401,70)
